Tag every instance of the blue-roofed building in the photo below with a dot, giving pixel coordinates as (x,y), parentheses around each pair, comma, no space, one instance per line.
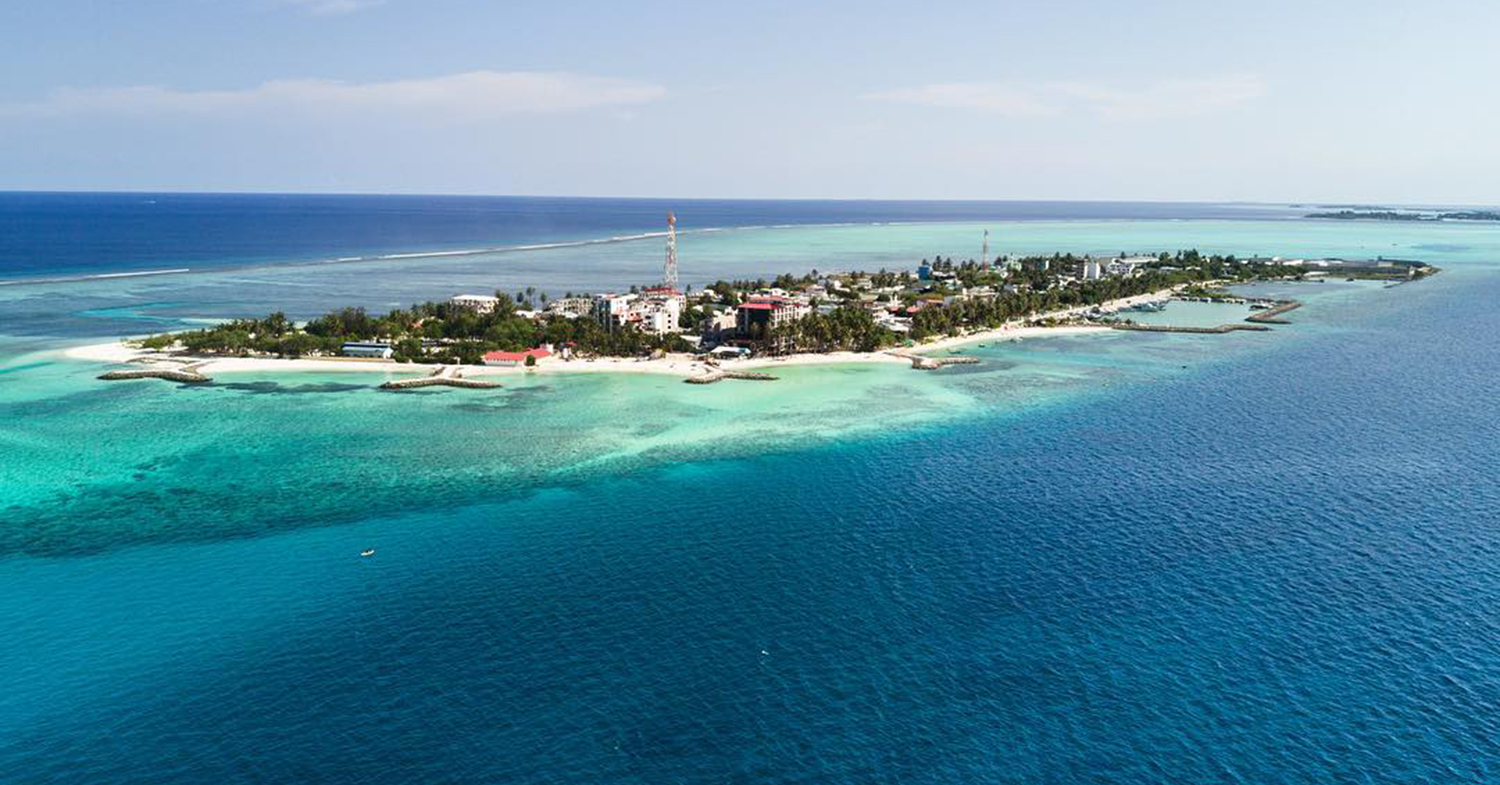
(366,349)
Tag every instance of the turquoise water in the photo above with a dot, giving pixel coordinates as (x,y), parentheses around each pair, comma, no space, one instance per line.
(1254,557)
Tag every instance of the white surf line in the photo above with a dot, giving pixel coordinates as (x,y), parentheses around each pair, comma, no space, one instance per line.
(501,249)
(95,277)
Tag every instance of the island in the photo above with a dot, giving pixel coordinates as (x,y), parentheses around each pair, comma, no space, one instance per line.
(733,326)
(1407,215)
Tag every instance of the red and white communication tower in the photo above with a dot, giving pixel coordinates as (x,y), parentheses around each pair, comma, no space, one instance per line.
(669,275)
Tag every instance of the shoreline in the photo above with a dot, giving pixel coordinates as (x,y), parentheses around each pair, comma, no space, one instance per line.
(683,365)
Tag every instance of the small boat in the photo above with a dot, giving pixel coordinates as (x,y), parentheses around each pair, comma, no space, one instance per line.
(369,552)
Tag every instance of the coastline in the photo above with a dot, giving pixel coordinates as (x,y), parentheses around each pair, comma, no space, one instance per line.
(684,365)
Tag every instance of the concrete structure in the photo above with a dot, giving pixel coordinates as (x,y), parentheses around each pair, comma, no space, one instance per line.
(571,307)
(478,303)
(720,320)
(669,273)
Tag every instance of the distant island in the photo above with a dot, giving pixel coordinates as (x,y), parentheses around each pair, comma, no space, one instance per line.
(1407,215)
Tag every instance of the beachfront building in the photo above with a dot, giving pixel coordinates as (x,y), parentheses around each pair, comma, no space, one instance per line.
(478,303)
(892,322)
(656,310)
(367,349)
(512,359)
(729,353)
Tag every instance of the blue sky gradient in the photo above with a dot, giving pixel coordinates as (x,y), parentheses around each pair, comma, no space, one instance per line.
(1277,101)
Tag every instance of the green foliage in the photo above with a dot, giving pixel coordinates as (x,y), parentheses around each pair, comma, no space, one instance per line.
(843,329)
(443,332)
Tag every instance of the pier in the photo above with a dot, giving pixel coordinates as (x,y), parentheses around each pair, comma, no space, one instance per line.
(446,376)
(718,376)
(923,363)
(186,374)
(1167,328)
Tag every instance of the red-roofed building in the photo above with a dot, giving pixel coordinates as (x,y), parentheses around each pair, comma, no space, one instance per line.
(512,359)
(758,315)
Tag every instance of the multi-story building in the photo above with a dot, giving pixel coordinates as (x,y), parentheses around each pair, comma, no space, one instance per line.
(478,303)
(656,310)
(571,307)
(757,316)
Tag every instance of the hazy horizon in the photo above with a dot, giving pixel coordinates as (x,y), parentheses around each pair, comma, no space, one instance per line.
(1290,203)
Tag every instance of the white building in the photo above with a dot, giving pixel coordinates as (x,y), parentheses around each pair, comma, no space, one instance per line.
(1126,265)
(571,307)
(478,303)
(657,310)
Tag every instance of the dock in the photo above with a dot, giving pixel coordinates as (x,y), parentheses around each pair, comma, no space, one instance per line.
(186,374)
(445,376)
(1167,328)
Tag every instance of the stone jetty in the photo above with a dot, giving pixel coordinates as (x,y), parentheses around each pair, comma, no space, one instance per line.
(446,376)
(1272,315)
(186,374)
(1167,328)
(924,363)
(718,376)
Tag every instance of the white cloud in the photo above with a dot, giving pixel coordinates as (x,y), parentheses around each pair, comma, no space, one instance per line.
(1001,99)
(1170,98)
(334,7)
(473,95)
(1167,98)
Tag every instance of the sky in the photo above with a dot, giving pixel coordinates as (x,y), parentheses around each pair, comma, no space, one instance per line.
(1372,102)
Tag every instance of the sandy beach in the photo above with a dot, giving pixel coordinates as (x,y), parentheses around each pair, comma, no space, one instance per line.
(684,365)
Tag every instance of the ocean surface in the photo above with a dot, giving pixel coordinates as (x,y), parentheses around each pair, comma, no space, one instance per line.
(1120,558)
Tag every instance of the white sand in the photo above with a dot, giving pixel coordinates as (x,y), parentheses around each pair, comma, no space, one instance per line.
(672,364)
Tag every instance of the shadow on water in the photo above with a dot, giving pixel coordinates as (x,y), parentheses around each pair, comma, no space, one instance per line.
(513,399)
(274,388)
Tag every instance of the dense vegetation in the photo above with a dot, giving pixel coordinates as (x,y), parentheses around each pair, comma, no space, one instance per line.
(1402,215)
(444,332)
(427,332)
(845,328)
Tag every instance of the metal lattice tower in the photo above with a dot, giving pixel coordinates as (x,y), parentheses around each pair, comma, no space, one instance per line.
(669,274)
(984,254)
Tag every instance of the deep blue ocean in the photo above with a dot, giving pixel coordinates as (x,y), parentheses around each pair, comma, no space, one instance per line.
(1138,559)
(57,234)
